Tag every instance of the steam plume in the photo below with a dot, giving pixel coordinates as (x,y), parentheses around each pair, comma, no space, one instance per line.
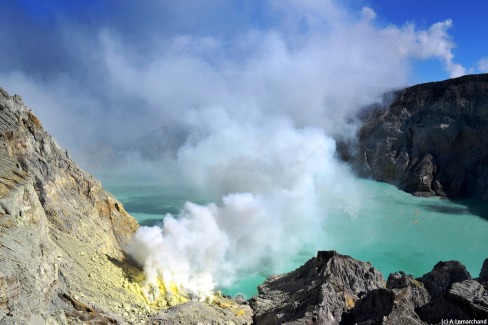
(260,102)
(279,184)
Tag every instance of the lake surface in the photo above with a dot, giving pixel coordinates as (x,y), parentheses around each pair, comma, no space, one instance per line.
(393,230)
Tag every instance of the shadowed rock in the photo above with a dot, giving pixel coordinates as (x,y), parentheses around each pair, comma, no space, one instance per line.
(484,272)
(394,304)
(454,295)
(439,280)
(431,139)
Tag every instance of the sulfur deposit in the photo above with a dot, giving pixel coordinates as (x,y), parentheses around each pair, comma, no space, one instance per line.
(62,238)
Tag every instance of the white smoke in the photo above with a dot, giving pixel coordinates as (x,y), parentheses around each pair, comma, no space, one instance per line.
(260,105)
(259,145)
(279,184)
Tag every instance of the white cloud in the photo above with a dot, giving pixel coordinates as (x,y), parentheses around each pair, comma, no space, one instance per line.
(483,65)
(368,13)
(435,42)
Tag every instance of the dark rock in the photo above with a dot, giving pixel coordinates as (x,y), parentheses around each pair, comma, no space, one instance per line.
(394,304)
(439,280)
(419,181)
(439,309)
(320,291)
(465,300)
(472,297)
(484,272)
(432,139)
(454,295)
(374,307)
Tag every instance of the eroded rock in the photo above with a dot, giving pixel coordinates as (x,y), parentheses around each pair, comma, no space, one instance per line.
(439,280)
(320,291)
(429,139)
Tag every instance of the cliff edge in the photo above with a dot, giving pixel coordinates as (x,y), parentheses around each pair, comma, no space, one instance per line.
(432,139)
(61,233)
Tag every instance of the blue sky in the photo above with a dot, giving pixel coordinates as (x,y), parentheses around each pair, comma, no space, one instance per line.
(468,31)
(85,65)
(35,22)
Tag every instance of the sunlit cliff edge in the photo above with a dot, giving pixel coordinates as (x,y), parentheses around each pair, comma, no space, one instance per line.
(62,238)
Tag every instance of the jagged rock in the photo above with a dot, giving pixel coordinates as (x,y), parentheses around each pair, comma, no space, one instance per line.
(472,297)
(430,139)
(409,294)
(454,295)
(394,304)
(465,300)
(320,291)
(333,289)
(438,309)
(419,181)
(407,289)
(374,308)
(484,272)
(439,280)
(51,213)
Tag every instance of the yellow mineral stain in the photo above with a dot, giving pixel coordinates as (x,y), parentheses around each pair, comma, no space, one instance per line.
(350,303)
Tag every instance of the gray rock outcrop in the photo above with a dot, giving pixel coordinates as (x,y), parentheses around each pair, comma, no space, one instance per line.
(432,139)
(337,289)
(454,294)
(322,290)
(443,275)
(61,234)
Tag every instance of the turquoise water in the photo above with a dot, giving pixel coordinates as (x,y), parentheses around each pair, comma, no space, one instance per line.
(393,230)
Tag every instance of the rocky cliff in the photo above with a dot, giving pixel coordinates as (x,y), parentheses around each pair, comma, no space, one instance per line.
(62,238)
(61,234)
(337,289)
(431,139)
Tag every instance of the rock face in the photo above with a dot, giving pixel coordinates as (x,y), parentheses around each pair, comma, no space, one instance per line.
(337,289)
(322,290)
(62,238)
(454,295)
(431,140)
(484,272)
(438,281)
(61,234)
